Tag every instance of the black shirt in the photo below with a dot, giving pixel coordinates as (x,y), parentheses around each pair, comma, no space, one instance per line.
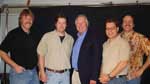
(22,48)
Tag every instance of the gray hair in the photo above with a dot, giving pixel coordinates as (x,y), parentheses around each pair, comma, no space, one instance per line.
(84,16)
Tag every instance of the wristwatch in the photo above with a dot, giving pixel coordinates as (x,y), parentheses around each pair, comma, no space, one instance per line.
(110,77)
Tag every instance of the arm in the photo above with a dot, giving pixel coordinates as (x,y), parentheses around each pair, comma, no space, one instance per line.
(4,49)
(124,51)
(146,48)
(120,66)
(142,69)
(105,78)
(96,61)
(9,61)
(42,50)
(145,43)
(41,64)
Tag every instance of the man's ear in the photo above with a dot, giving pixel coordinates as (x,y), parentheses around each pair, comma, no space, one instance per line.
(117,29)
(133,25)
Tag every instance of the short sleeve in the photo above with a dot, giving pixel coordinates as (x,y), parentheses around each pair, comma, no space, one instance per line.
(6,43)
(145,44)
(42,46)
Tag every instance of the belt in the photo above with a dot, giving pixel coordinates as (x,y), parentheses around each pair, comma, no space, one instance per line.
(76,70)
(57,71)
(120,76)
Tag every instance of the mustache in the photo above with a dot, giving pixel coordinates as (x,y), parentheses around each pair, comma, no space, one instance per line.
(28,23)
(127,25)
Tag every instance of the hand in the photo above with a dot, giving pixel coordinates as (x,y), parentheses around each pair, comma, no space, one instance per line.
(131,75)
(104,79)
(43,77)
(135,74)
(139,72)
(92,82)
(19,69)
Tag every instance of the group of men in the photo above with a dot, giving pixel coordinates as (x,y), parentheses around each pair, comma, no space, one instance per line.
(117,61)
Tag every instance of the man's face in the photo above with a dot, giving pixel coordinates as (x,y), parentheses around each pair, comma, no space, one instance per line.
(111,30)
(61,24)
(81,24)
(128,23)
(26,22)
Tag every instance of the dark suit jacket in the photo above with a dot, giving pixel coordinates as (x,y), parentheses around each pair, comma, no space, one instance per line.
(90,56)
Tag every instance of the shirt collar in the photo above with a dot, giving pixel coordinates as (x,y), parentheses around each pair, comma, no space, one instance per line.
(24,31)
(128,33)
(82,35)
(66,34)
(114,40)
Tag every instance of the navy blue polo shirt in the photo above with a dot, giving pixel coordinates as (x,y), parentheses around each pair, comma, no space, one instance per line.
(22,48)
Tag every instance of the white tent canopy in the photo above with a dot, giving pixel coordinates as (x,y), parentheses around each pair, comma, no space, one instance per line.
(70,2)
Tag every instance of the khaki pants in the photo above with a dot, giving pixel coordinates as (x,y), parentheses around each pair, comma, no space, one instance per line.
(75,78)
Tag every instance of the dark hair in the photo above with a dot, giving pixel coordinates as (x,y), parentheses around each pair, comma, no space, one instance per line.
(114,20)
(25,12)
(59,16)
(128,13)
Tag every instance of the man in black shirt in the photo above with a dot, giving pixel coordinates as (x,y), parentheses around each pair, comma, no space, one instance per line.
(22,47)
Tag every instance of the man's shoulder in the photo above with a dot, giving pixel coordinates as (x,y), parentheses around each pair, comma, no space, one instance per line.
(14,31)
(134,34)
(137,34)
(69,36)
(139,37)
(105,43)
(51,33)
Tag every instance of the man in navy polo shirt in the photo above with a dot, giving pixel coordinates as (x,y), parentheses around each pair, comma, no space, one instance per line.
(21,44)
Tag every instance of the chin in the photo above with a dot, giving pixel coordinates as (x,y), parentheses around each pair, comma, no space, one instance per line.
(127,30)
(28,26)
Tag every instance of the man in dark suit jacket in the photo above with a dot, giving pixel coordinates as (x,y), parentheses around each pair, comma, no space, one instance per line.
(86,56)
